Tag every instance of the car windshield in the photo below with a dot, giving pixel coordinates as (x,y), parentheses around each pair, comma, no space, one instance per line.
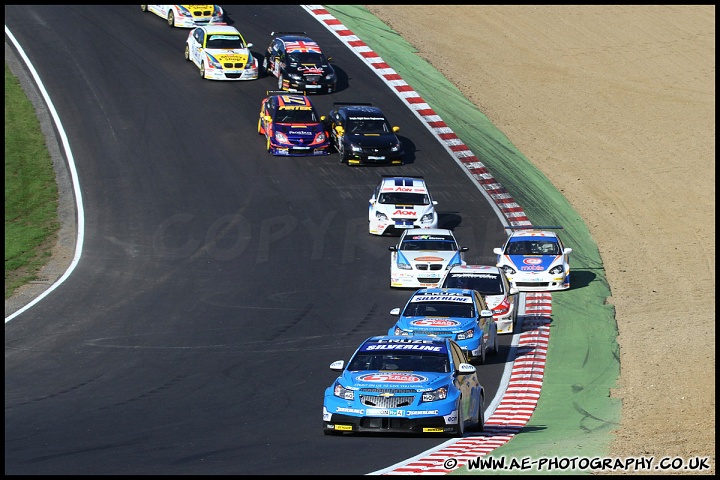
(439,309)
(485,283)
(438,245)
(367,126)
(427,362)
(533,247)
(307,58)
(224,42)
(404,198)
(296,115)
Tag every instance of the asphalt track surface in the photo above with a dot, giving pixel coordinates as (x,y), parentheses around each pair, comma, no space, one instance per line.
(217,283)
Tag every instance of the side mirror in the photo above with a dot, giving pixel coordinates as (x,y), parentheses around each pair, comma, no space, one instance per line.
(513,290)
(395,311)
(395,129)
(466,369)
(486,313)
(329,59)
(249,45)
(435,202)
(323,118)
(393,248)
(463,249)
(340,130)
(337,365)
(497,251)
(567,250)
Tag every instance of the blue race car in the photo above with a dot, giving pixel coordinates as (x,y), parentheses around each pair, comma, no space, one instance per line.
(292,125)
(459,314)
(393,384)
(535,259)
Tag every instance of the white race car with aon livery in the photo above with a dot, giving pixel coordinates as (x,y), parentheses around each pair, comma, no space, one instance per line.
(535,259)
(422,257)
(221,53)
(399,203)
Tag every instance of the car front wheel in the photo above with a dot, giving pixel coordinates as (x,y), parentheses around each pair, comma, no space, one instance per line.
(171,18)
(187,52)
(202,70)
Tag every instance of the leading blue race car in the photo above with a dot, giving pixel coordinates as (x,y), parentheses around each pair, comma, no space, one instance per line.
(391,384)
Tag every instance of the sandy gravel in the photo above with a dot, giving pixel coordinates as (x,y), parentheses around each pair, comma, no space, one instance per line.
(616,105)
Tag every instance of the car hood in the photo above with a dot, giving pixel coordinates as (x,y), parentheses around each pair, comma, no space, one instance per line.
(400,379)
(224,55)
(436,324)
(401,210)
(429,256)
(373,140)
(533,263)
(493,301)
(308,130)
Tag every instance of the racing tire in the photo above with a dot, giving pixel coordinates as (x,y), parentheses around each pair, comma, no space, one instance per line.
(480,424)
(460,432)
(202,70)
(260,129)
(268,145)
(143,8)
(187,52)
(171,18)
(480,359)
(266,66)
(494,351)
(280,81)
(342,153)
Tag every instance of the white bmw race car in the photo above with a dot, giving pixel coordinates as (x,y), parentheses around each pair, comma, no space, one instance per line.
(535,259)
(221,53)
(399,203)
(422,257)
(187,16)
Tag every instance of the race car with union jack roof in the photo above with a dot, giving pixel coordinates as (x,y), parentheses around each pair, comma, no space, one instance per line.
(292,125)
(299,64)
(420,385)
(187,16)
(401,202)
(221,53)
(535,259)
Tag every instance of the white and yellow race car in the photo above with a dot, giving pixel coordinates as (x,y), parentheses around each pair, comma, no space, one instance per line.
(187,16)
(221,53)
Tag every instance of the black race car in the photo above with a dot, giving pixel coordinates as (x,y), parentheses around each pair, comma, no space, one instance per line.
(362,135)
(299,64)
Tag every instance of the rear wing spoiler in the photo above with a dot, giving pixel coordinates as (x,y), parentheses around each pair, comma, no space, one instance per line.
(360,104)
(536,227)
(275,34)
(284,92)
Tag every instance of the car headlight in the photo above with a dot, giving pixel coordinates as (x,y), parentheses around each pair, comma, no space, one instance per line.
(427,218)
(439,394)
(508,270)
(295,76)
(466,334)
(381,216)
(342,392)
(402,264)
(214,63)
(356,148)
(395,147)
(281,137)
(556,270)
(320,137)
(401,332)
(330,76)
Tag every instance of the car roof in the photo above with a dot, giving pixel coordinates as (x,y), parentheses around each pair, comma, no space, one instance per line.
(533,233)
(434,290)
(220,30)
(404,339)
(361,110)
(476,269)
(428,231)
